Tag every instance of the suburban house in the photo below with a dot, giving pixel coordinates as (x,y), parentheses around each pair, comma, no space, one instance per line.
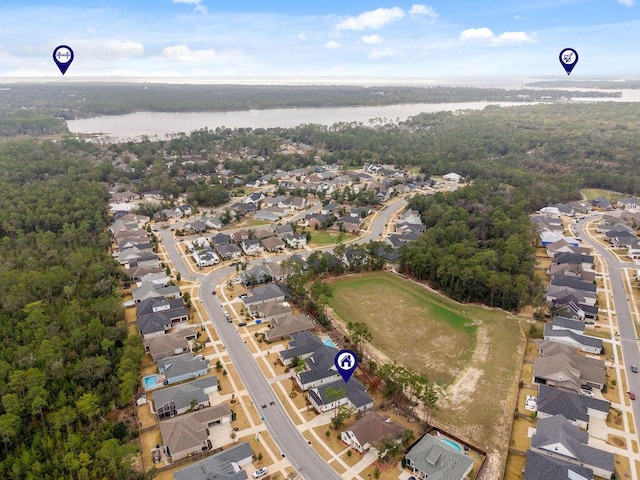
(182,367)
(295,241)
(174,343)
(149,290)
(252,246)
(557,437)
(273,244)
(628,203)
(189,433)
(320,368)
(137,273)
(369,430)
(157,316)
(544,467)
(556,293)
(288,325)
(452,177)
(578,409)
(262,294)
(205,257)
(571,333)
(560,366)
(229,251)
(255,275)
(302,345)
(221,239)
(159,279)
(171,401)
(225,465)
(329,396)
(431,458)
(195,226)
(347,223)
(272,310)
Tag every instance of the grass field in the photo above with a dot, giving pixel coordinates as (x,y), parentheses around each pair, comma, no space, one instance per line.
(320,238)
(475,352)
(591,193)
(389,304)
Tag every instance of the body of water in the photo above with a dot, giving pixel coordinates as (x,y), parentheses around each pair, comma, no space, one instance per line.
(161,125)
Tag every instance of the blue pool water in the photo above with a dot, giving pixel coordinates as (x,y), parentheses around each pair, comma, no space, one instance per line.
(150,382)
(452,444)
(327,341)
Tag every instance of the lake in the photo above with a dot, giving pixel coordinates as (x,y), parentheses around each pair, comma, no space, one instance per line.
(160,125)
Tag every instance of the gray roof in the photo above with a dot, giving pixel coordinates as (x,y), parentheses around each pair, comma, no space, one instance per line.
(179,365)
(563,322)
(264,293)
(321,364)
(148,290)
(574,369)
(228,249)
(575,258)
(438,460)
(554,430)
(545,467)
(572,406)
(182,395)
(302,343)
(572,282)
(353,390)
(585,340)
(288,325)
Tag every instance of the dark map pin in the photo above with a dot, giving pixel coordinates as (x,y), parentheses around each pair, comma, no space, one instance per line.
(346,362)
(63,56)
(568,59)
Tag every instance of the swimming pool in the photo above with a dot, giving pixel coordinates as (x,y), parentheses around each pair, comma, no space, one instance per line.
(451,443)
(150,382)
(327,341)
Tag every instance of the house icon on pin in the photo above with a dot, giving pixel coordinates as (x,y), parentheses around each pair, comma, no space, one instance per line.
(346,362)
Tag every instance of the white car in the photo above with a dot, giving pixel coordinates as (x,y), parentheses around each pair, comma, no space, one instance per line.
(267,260)
(259,473)
(586,393)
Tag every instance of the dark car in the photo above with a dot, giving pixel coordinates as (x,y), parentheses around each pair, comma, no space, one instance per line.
(587,387)
(634,368)
(632,395)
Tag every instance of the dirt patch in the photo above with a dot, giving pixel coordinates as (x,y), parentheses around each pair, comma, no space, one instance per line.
(460,393)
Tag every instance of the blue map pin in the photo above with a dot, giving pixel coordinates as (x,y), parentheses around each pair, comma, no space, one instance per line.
(568,59)
(346,362)
(63,56)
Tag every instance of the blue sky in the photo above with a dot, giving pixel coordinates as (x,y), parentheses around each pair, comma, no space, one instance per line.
(215,38)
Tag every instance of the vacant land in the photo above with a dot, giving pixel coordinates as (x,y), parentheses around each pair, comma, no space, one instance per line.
(591,193)
(320,238)
(475,353)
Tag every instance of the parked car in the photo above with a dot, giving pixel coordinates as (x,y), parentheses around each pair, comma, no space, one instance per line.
(632,395)
(260,472)
(586,393)
(634,368)
(267,260)
(587,387)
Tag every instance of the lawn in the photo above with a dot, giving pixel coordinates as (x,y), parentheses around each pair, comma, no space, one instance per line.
(473,351)
(446,338)
(320,238)
(591,193)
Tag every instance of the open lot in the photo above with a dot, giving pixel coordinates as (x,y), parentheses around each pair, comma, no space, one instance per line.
(474,353)
(320,238)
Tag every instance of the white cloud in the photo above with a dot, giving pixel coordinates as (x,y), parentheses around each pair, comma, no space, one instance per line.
(485,34)
(372,19)
(331,44)
(418,10)
(301,36)
(476,34)
(386,52)
(512,38)
(627,3)
(198,6)
(372,39)
(120,49)
(182,53)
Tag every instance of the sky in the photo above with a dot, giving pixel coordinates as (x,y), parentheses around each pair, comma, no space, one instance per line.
(156,39)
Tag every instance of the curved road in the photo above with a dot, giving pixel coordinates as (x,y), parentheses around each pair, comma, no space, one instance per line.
(290,441)
(626,328)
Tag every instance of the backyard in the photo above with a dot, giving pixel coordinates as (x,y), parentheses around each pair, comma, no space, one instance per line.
(473,353)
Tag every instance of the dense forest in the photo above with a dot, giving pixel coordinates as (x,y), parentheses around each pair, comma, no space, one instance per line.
(479,246)
(75,100)
(66,362)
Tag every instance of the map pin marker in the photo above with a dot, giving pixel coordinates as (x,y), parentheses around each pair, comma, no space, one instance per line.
(346,362)
(568,59)
(63,56)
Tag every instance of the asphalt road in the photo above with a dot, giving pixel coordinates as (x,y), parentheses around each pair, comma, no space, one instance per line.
(626,329)
(290,441)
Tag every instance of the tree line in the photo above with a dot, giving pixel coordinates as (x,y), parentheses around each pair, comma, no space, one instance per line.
(67,365)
